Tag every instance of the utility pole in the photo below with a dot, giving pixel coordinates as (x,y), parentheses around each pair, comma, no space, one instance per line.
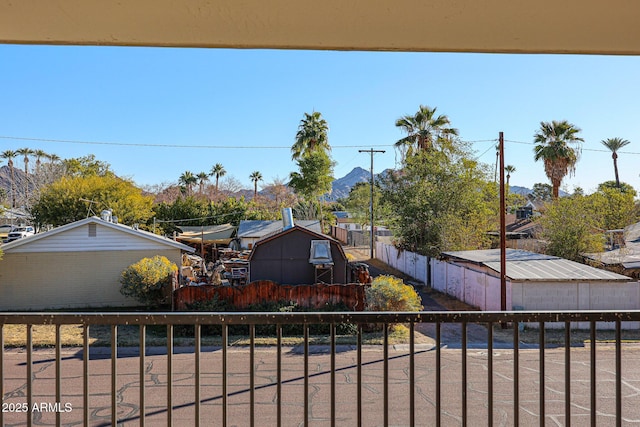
(371,151)
(503,231)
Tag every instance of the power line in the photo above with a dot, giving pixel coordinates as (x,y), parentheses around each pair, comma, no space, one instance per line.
(583,149)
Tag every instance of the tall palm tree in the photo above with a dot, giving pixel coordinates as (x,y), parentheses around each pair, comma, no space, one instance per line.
(39,154)
(9,155)
(312,135)
(26,152)
(423,129)
(218,171)
(202,178)
(509,169)
(614,144)
(255,177)
(188,179)
(554,147)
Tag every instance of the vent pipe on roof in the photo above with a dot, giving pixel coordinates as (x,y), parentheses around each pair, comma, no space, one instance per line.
(287,218)
(106,215)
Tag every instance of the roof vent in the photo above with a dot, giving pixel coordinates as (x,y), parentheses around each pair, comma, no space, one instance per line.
(106,215)
(287,218)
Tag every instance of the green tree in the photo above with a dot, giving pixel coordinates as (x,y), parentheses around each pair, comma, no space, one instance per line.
(312,135)
(613,209)
(614,144)
(620,186)
(255,177)
(554,147)
(218,171)
(60,203)
(84,166)
(146,280)
(388,293)
(314,177)
(423,129)
(9,155)
(570,228)
(188,180)
(359,199)
(541,192)
(441,200)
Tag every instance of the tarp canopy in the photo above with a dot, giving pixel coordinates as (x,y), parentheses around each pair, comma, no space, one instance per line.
(218,234)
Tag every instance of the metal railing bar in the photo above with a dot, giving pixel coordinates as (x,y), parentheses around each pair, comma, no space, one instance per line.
(238,318)
(438,375)
(197,335)
(58,371)
(464,373)
(85,369)
(386,374)
(29,375)
(541,364)
(359,375)
(169,375)
(114,375)
(225,392)
(618,374)
(593,372)
(306,375)
(252,380)
(143,369)
(490,373)
(567,372)
(412,375)
(516,374)
(333,373)
(279,374)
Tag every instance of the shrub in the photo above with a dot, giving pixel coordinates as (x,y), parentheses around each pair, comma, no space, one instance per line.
(146,279)
(388,293)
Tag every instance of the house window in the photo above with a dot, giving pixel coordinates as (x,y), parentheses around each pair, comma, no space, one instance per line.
(92,230)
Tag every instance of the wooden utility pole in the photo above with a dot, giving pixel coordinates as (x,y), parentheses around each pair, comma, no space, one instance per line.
(371,151)
(503,231)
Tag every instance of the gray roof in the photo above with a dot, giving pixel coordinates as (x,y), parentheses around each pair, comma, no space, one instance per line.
(530,266)
(259,228)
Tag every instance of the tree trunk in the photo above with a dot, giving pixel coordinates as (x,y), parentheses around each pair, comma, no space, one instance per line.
(615,168)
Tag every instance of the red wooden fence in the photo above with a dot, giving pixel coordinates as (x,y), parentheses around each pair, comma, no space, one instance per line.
(311,296)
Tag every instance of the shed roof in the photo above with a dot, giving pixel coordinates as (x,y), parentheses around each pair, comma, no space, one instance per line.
(530,266)
(208,234)
(21,243)
(297,227)
(259,228)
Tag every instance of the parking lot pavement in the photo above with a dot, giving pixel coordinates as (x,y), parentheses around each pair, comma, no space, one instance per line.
(319,387)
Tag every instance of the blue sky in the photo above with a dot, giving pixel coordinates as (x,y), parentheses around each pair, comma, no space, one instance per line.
(217,99)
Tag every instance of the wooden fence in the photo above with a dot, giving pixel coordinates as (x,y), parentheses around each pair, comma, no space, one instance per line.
(311,296)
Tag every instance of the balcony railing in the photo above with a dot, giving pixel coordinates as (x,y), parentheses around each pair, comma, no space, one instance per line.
(440,382)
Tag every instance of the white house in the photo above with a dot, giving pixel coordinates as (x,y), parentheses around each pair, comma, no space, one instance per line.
(534,282)
(77,265)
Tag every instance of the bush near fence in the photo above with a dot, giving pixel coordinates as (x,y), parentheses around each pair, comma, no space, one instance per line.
(312,296)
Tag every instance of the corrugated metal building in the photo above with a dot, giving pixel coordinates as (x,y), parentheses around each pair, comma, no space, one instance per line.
(77,265)
(534,282)
(284,257)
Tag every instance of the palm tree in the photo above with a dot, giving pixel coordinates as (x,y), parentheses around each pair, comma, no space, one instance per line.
(202,178)
(423,129)
(554,140)
(509,169)
(218,171)
(311,135)
(255,177)
(188,179)
(26,152)
(39,154)
(9,155)
(614,144)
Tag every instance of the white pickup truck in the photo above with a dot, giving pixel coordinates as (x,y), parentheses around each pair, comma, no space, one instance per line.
(20,232)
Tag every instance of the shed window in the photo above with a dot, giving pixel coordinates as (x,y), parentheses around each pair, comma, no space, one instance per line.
(92,230)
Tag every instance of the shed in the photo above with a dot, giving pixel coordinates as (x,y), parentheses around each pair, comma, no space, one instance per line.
(624,258)
(250,231)
(77,265)
(534,282)
(284,257)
